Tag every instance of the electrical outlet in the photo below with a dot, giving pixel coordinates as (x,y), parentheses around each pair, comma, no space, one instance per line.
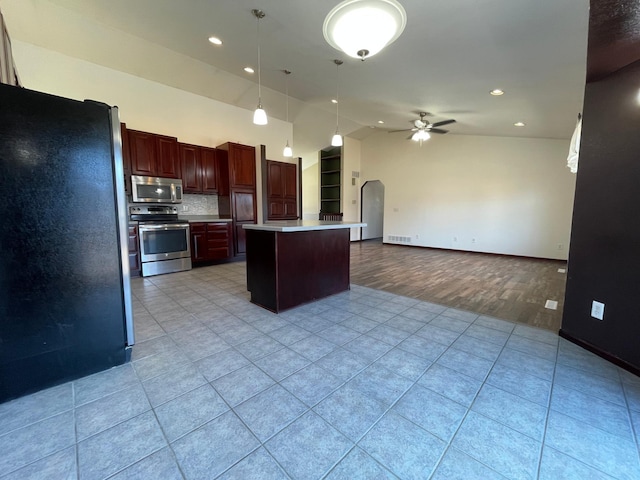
(473,240)
(560,246)
(185,208)
(455,239)
(597,310)
(417,237)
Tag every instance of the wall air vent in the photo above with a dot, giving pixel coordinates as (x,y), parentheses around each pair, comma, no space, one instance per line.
(399,239)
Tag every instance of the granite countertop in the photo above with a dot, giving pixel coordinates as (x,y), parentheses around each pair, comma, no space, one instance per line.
(203,218)
(301,226)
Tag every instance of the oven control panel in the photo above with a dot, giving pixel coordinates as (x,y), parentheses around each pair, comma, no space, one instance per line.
(153,210)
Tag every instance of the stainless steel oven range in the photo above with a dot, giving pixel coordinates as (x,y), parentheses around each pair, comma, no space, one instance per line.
(164,240)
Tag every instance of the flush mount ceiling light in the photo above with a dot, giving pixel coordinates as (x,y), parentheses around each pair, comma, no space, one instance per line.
(259,116)
(215,40)
(496,92)
(361,28)
(249,70)
(287,152)
(336,140)
(519,124)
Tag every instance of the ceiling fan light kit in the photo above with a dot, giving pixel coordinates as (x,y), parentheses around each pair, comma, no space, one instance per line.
(361,28)
(420,136)
(422,129)
(259,116)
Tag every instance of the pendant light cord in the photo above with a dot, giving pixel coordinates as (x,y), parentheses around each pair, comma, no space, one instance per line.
(259,68)
(337,92)
(286,89)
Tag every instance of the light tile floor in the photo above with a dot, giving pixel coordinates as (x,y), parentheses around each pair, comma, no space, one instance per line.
(361,385)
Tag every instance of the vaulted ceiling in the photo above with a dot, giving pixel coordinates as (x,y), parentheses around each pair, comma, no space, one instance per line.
(451,54)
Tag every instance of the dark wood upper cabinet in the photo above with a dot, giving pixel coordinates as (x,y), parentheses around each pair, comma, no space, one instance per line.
(142,151)
(199,169)
(242,165)
(191,166)
(222,172)
(209,170)
(281,187)
(153,155)
(168,164)
(275,188)
(290,174)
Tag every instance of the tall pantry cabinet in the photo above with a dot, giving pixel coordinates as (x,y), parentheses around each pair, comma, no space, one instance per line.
(240,201)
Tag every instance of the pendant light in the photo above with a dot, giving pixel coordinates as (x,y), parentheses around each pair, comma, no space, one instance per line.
(287,152)
(259,116)
(336,141)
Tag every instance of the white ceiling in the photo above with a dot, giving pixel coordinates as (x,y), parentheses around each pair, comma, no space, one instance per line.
(450,55)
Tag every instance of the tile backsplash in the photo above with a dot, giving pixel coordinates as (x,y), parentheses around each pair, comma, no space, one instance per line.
(199,204)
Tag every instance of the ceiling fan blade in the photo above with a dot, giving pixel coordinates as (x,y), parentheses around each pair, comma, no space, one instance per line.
(410,137)
(437,130)
(404,130)
(444,122)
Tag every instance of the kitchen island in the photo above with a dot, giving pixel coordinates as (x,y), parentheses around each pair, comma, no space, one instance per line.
(296,262)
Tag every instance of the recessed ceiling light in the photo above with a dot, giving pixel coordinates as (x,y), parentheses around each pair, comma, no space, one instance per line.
(215,40)
(249,70)
(496,92)
(381,121)
(333,100)
(519,124)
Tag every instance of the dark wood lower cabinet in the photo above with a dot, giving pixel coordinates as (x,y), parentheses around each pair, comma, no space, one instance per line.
(134,252)
(210,241)
(286,269)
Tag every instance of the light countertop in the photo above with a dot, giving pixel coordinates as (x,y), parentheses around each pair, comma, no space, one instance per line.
(301,226)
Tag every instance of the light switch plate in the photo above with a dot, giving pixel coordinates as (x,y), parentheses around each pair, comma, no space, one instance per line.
(597,310)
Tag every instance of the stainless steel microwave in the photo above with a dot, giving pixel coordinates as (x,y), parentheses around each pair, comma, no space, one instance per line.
(156,189)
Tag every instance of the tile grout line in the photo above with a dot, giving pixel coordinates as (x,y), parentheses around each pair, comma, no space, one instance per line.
(548,412)
(468,409)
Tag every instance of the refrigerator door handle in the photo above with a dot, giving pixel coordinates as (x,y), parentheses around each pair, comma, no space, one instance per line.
(123,223)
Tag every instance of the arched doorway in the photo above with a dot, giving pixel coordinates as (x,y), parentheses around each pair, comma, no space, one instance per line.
(372,209)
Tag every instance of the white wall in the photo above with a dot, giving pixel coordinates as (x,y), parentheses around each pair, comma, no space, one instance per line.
(488,194)
(351,162)
(310,196)
(150,106)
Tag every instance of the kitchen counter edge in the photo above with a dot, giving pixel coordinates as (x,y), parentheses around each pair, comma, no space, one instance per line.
(301,226)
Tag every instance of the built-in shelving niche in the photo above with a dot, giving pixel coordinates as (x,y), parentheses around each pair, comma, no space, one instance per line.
(330,179)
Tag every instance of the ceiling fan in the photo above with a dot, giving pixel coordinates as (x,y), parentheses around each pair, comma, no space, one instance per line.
(422,129)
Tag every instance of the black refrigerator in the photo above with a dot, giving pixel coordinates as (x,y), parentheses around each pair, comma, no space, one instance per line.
(65,299)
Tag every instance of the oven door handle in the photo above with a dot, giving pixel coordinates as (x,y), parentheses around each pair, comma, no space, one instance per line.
(171,226)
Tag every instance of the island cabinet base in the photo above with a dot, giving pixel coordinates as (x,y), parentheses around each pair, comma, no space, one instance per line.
(287,269)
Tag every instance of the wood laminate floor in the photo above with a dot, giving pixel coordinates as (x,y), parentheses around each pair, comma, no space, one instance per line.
(510,288)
